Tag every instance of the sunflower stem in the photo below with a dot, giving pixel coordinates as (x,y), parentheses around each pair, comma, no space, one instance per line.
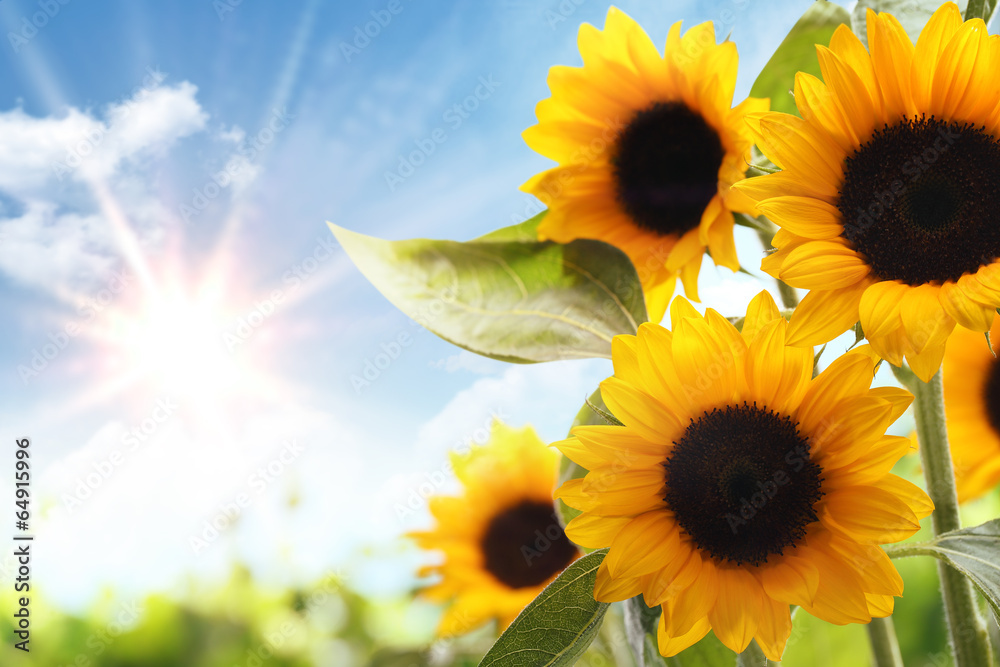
(885,647)
(969,638)
(789,297)
(752,656)
(976,9)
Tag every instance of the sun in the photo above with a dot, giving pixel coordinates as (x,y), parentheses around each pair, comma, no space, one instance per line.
(176,342)
(204,343)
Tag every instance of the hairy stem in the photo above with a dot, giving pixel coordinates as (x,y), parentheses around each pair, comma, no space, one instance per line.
(885,647)
(967,632)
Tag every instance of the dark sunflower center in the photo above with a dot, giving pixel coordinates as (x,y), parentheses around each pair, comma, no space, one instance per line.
(666,167)
(525,545)
(741,483)
(991,395)
(920,200)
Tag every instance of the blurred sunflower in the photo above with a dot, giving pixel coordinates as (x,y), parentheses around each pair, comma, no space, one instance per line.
(648,147)
(501,539)
(971,377)
(739,485)
(887,201)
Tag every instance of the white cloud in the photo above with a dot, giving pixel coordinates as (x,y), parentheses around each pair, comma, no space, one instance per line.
(546,395)
(467,361)
(56,237)
(76,145)
(151,497)
(44,248)
(152,121)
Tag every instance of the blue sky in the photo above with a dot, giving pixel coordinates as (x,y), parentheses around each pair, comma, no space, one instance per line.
(116,121)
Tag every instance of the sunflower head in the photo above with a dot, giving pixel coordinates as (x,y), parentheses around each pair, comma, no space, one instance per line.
(501,539)
(648,147)
(971,376)
(887,201)
(739,484)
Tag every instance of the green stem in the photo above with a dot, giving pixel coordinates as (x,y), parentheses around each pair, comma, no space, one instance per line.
(969,638)
(885,647)
(753,657)
(976,9)
(789,297)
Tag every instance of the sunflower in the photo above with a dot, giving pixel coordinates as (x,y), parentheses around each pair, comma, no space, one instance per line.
(739,485)
(971,376)
(887,201)
(501,539)
(648,147)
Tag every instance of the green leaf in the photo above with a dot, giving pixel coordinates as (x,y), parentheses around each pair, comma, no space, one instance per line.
(526,231)
(912,15)
(568,469)
(975,552)
(518,301)
(797,52)
(640,629)
(558,625)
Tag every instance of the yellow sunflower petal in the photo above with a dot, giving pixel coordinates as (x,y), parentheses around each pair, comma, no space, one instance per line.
(677,575)
(815,102)
(777,375)
(849,48)
(869,515)
(956,67)
(640,547)
(706,365)
(892,58)
(914,497)
(840,598)
(671,645)
(879,307)
(625,359)
(847,376)
(721,242)
(879,606)
(736,612)
(823,265)
(612,589)
(850,93)
(694,602)
(761,311)
(774,627)
(944,23)
(623,492)
(795,145)
(791,580)
(875,463)
(823,315)
(964,310)
(804,216)
(637,410)
(593,531)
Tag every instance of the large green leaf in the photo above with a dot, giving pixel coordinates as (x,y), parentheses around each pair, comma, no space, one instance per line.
(912,14)
(558,625)
(524,231)
(975,552)
(797,52)
(516,300)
